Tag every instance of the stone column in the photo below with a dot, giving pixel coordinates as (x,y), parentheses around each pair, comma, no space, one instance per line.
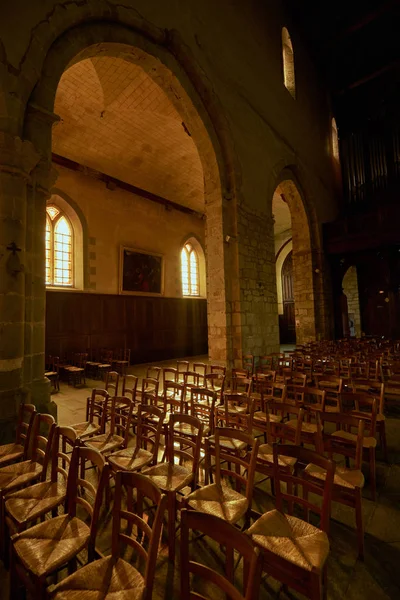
(43,179)
(17,160)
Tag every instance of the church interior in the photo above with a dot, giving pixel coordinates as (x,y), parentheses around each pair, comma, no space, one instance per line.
(199,299)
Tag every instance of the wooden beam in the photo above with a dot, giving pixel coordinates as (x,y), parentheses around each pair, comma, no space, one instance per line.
(112,183)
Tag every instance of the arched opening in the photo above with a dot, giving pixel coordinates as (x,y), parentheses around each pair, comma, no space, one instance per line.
(96,41)
(350,289)
(296,277)
(193,268)
(288,63)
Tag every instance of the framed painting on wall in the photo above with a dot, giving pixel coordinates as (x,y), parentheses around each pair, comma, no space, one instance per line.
(141,272)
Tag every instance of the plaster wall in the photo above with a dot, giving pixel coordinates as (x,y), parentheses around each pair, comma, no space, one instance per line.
(117,217)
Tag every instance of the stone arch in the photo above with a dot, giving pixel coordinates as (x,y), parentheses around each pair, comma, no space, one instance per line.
(284,251)
(169,62)
(305,256)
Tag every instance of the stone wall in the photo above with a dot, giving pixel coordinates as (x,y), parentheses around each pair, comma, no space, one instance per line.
(350,288)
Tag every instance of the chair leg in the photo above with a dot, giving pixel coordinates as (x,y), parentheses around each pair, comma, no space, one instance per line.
(359,523)
(382,435)
(171,524)
(372,472)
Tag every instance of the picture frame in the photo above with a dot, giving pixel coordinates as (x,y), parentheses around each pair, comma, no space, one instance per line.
(141,272)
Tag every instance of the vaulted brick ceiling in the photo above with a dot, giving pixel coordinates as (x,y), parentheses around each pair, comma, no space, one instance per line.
(117,120)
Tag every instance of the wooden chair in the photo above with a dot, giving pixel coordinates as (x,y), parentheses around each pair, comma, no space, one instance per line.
(112,383)
(220,369)
(149,392)
(201,369)
(265,364)
(181,467)
(348,482)
(333,386)
(216,383)
(153,372)
(182,366)
(18,449)
(190,379)
(96,408)
(123,362)
(202,406)
(169,374)
(377,390)
(113,576)
(231,413)
(294,551)
(174,396)
(53,372)
(129,387)
(76,373)
(145,452)
(220,499)
(24,507)
(49,546)
(229,537)
(105,363)
(248,363)
(118,434)
(363,406)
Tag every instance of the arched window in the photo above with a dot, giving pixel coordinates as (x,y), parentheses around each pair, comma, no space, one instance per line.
(335,141)
(59,248)
(190,271)
(288,62)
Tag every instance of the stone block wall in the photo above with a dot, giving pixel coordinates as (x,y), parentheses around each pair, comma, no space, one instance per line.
(350,288)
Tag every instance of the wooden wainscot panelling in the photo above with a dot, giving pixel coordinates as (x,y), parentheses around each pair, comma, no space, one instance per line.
(154,328)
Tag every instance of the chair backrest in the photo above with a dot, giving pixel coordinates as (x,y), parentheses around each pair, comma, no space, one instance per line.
(150,387)
(228,536)
(216,383)
(131,529)
(153,372)
(244,465)
(344,445)
(41,440)
(120,417)
(182,366)
(184,443)
(64,442)
(235,418)
(173,396)
(85,493)
(169,374)
(248,363)
(112,382)
(190,379)
(265,364)
(26,415)
(201,369)
(374,388)
(301,486)
(314,398)
(129,387)
(202,406)
(98,406)
(362,405)
(279,429)
(149,428)
(218,369)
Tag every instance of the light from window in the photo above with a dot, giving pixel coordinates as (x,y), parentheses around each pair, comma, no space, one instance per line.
(190,271)
(335,140)
(59,247)
(288,62)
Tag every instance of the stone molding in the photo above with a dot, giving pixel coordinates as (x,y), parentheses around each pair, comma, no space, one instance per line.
(17,157)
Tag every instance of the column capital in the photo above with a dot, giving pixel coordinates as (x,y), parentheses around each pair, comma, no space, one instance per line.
(44,177)
(17,157)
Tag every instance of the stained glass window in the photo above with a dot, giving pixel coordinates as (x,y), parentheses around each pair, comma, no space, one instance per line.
(190,271)
(59,248)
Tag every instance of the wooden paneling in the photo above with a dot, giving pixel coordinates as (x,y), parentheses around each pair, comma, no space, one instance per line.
(153,328)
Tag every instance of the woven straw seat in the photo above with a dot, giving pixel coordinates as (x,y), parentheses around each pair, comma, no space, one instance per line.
(107,578)
(11,453)
(19,474)
(169,477)
(29,503)
(230,444)
(345,478)
(305,427)
(265,452)
(85,429)
(46,547)
(292,539)
(106,442)
(186,429)
(219,500)
(130,459)
(368,442)
(259,415)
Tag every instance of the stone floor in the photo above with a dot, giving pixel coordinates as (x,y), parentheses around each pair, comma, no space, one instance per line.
(377,578)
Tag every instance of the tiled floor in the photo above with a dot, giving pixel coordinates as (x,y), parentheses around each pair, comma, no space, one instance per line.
(377,578)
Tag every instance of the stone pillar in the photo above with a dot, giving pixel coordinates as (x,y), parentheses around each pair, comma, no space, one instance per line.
(43,179)
(257,312)
(17,160)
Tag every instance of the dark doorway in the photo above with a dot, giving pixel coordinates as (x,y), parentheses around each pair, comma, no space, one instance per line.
(287,323)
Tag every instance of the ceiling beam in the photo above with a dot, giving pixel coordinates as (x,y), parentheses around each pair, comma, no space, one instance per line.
(367,19)
(370,77)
